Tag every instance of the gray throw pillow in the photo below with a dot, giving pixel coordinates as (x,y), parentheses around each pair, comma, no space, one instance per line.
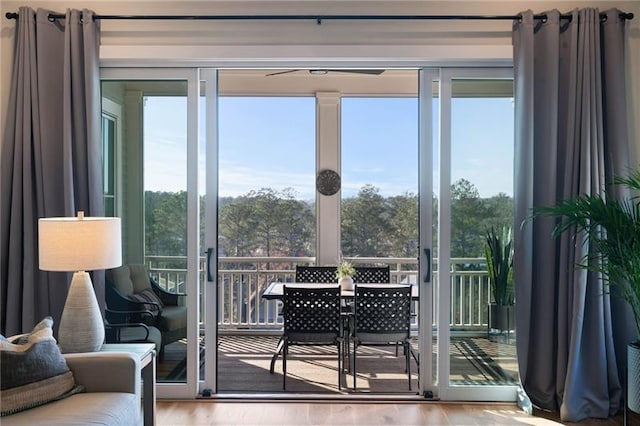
(33,371)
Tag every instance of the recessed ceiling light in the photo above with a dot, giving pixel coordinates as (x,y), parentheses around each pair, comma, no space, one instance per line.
(318,72)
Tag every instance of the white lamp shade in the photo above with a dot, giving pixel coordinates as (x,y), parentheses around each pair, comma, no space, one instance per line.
(79,243)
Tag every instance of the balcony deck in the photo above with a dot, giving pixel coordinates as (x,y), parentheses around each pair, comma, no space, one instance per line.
(243,366)
(244,354)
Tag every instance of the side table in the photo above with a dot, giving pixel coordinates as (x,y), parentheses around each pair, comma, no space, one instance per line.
(146,353)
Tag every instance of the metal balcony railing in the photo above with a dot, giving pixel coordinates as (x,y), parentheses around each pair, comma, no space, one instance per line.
(241,281)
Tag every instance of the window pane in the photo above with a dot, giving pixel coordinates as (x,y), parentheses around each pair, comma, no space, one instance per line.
(481,199)
(379,177)
(108,164)
(150,181)
(267,167)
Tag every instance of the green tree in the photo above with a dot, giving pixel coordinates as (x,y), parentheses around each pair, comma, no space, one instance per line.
(264,206)
(365,224)
(235,224)
(165,223)
(297,225)
(499,212)
(275,223)
(403,225)
(467,212)
(267,223)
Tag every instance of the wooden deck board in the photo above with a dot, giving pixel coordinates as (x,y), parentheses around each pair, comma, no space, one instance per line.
(243,366)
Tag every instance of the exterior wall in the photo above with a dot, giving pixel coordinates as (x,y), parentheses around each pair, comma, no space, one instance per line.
(333,43)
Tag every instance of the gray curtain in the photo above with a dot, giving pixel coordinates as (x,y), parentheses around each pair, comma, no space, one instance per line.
(51,156)
(571,138)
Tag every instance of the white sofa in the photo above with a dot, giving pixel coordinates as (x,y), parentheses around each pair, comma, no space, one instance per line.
(111,397)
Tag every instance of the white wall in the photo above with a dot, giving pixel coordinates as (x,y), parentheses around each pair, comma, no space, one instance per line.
(268,43)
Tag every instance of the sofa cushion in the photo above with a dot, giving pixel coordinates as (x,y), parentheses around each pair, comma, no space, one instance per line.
(145,296)
(93,408)
(33,371)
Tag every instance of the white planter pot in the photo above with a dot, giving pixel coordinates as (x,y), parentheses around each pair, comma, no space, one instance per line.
(633,376)
(346,283)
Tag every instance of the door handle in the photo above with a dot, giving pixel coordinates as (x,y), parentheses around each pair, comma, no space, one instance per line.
(427,277)
(209,253)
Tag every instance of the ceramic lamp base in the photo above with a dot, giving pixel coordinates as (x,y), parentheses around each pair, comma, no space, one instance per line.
(81,326)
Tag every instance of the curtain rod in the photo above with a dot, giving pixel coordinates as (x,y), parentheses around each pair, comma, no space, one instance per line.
(317,18)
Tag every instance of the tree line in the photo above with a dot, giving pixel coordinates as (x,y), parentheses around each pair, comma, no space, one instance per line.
(267,222)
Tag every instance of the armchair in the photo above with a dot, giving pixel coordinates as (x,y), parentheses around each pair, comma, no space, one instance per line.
(134,297)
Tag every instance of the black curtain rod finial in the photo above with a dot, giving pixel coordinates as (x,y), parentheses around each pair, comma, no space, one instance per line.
(11,15)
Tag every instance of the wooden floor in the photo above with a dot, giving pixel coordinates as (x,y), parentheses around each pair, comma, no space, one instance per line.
(243,369)
(213,412)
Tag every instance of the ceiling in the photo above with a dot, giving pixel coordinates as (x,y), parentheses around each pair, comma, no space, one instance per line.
(263,82)
(301,82)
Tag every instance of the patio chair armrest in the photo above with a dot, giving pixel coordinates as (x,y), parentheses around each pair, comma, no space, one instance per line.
(144,315)
(168,298)
(131,325)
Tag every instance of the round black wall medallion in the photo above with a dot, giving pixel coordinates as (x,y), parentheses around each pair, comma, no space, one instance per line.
(328,182)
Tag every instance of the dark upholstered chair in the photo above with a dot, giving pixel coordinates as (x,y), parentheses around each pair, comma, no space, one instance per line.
(316,274)
(117,332)
(311,317)
(382,316)
(129,289)
(372,275)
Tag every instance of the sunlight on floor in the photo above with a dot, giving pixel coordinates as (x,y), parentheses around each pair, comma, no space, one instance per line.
(520,417)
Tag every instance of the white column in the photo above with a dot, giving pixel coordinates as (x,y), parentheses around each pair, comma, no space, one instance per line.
(328,157)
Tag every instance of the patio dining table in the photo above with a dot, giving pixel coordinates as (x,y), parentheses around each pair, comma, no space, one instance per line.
(275,291)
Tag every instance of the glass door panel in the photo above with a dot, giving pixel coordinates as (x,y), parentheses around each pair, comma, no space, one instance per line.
(428,219)
(155,199)
(266,221)
(265,152)
(380,214)
(477,164)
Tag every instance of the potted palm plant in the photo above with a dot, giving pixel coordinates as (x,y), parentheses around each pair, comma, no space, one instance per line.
(612,228)
(498,251)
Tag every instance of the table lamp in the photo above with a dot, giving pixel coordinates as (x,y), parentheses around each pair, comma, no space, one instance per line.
(80,244)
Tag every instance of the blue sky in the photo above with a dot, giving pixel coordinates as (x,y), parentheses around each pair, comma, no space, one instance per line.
(270,142)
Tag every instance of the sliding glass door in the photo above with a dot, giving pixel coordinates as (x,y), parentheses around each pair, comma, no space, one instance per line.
(264,215)
(150,130)
(216,182)
(477,349)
